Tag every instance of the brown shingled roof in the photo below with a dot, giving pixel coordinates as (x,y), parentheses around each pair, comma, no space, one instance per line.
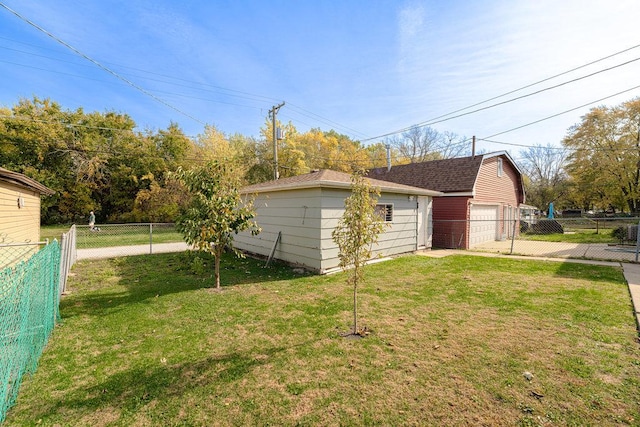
(332,179)
(448,175)
(24,181)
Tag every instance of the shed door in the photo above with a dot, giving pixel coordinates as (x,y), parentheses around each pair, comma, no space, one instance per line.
(483,225)
(425,222)
(422,222)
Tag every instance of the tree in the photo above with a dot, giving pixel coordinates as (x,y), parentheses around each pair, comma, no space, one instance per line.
(357,231)
(160,203)
(424,143)
(94,161)
(216,211)
(548,181)
(606,154)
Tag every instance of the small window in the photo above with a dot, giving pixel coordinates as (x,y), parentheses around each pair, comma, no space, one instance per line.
(385,211)
(499,167)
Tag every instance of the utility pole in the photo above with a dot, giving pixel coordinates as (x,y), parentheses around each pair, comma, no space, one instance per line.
(272,113)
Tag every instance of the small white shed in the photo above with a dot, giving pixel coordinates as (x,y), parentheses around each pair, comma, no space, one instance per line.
(305,209)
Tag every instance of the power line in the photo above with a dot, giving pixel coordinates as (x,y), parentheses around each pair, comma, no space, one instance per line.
(264,97)
(513,144)
(528,94)
(563,148)
(538,82)
(221,90)
(561,113)
(437,119)
(328,121)
(157,91)
(98,64)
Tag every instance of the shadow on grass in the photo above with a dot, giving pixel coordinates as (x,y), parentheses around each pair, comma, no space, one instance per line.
(534,268)
(131,389)
(144,277)
(594,273)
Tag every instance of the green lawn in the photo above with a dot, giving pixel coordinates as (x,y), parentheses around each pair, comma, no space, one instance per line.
(143,341)
(53,231)
(116,235)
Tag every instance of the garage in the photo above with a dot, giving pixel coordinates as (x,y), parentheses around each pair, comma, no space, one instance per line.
(483,224)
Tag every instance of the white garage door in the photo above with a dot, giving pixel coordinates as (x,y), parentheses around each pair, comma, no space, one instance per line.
(483,226)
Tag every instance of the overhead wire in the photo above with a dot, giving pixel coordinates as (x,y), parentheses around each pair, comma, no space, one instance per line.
(561,113)
(220,90)
(432,121)
(243,94)
(101,66)
(445,117)
(530,94)
(326,120)
(157,90)
(537,82)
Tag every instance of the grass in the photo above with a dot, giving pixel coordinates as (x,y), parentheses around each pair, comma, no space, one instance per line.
(143,341)
(53,231)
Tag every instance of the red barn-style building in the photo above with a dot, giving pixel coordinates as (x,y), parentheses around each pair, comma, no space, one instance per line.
(482,194)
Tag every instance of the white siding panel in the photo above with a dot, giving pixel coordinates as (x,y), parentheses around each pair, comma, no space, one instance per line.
(307,218)
(296,214)
(400,237)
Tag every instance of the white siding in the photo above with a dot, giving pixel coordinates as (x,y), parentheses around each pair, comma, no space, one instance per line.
(294,213)
(400,237)
(307,217)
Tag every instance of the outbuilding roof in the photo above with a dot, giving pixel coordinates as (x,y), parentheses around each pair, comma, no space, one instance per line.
(457,175)
(23,181)
(332,179)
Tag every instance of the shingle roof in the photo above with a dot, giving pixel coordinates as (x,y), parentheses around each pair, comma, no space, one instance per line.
(23,181)
(448,175)
(331,179)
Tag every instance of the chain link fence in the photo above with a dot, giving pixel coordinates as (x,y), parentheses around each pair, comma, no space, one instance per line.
(29,297)
(607,239)
(111,240)
(12,253)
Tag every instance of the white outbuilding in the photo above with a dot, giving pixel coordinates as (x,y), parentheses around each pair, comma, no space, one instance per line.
(298,214)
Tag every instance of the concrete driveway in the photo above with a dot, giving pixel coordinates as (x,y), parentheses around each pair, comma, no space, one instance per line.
(596,251)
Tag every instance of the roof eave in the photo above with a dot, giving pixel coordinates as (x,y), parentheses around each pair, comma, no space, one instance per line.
(340,185)
(26,183)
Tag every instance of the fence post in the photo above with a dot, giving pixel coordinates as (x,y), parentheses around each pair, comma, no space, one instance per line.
(64,259)
(637,241)
(513,236)
(151,238)
(73,245)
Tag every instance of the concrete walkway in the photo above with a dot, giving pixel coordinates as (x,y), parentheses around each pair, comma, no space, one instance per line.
(118,251)
(632,275)
(601,251)
(631,271)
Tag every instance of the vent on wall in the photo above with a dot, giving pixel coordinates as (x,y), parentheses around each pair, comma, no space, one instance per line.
(385,212)
(20,201)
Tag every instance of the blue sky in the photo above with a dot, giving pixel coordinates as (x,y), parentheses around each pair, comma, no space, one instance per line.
(363,68)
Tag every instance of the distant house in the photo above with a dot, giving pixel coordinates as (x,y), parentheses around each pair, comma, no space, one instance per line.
(19,211)
(481,196)
(305,209)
